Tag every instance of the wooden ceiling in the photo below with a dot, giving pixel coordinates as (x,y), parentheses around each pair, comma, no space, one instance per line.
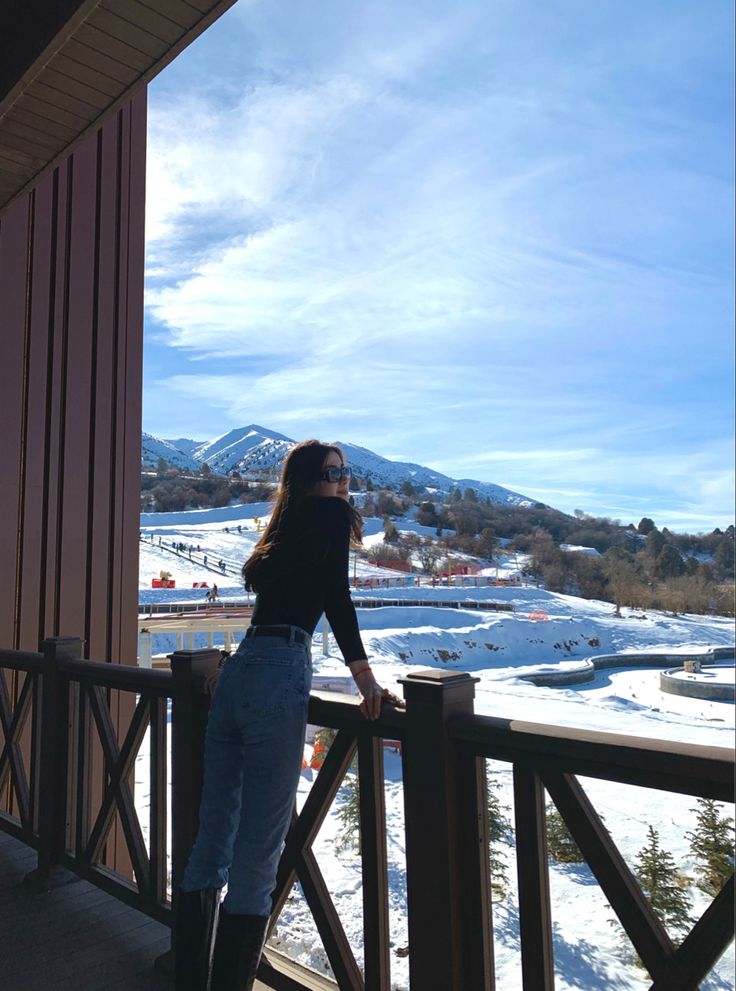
(66,65)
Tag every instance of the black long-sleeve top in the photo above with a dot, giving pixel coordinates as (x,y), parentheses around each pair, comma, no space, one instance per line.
(307,575)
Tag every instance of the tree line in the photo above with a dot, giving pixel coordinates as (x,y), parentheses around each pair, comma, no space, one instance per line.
(640,567)
(169,490)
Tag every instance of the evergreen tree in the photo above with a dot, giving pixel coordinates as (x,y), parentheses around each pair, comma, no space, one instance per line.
(499,829)
(427,514)
(655,869)
(560,844)
(724,552)
(668,564)
(711,843)
(349,813)
(487,542)
(390,533)
(655,542)
(646,525)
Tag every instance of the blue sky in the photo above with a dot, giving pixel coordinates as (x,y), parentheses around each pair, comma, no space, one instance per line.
(495,238)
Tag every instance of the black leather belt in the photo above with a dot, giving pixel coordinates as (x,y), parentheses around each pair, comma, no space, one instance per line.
(279,631)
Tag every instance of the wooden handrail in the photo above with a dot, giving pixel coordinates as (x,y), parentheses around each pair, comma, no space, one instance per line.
(685,768)
(124,677)
(21,660)
(340,711)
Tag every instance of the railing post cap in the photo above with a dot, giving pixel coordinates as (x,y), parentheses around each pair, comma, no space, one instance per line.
(438,688)
(201,663)
(194,652)
(63,647)
(434,676)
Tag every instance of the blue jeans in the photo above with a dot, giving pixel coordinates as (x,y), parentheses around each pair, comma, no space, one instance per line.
(252,761)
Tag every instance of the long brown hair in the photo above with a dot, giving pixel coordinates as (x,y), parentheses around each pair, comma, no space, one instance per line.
(301,472)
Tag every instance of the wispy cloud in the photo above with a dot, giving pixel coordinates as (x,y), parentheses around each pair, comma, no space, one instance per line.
(491,228)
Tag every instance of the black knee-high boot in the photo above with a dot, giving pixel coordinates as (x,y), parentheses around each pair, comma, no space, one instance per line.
(238,948)
(194,937)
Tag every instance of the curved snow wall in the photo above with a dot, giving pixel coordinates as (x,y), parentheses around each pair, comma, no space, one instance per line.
(696,688)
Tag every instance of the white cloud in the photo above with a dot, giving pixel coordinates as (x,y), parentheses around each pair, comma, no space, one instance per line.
(485,247)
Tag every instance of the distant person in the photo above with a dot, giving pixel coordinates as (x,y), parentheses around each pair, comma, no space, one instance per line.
(205,560)
(257,720)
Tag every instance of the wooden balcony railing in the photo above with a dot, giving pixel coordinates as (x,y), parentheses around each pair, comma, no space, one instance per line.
(65,772)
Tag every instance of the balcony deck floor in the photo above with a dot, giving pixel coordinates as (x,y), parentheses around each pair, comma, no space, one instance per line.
(74,937)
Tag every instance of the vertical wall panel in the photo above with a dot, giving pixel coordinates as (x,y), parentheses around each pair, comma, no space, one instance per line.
(71,347)
(33,524)
(55,390)
(102,414)
(117,383)
(71,256)
(130,380)
(14,234)
(80,325)
(133,350)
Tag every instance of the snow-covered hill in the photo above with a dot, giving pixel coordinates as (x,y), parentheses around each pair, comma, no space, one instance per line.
(185,444)
(381,471)
(545,631)
(253,449)
(245,449)
(153,449)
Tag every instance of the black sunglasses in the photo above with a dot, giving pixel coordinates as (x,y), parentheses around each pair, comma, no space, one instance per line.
(334,474)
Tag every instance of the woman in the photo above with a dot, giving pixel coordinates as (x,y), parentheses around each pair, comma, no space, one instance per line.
(257,721)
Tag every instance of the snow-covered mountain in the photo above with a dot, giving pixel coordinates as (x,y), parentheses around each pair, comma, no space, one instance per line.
(254,448)
(381,471)
(185,444)
(153,449)
(245,449)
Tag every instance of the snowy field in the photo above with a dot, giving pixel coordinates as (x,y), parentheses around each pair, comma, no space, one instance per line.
(545,631)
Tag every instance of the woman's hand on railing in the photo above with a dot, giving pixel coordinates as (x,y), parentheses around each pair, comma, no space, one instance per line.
(210,682)
(373,695)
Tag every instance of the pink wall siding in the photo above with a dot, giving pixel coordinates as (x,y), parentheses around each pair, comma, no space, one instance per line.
(71,329)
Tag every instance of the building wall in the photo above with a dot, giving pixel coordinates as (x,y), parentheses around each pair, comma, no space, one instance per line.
(71,343)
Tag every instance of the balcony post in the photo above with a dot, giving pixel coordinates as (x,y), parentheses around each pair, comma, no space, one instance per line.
(189,708)
(53,756)
(448,906)
(190,705)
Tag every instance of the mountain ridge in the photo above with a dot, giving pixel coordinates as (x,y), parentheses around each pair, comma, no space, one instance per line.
(254,448)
